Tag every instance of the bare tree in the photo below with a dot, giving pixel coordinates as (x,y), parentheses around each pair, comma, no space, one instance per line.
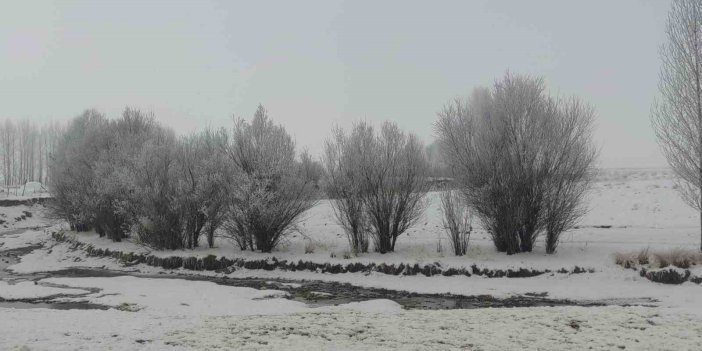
(677,115)
(344,186)
(568,163)
(73,170)
(269,195)
(457,220)
(509,149)
(392,171)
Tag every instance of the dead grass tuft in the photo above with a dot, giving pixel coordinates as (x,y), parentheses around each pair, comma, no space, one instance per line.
(678,257)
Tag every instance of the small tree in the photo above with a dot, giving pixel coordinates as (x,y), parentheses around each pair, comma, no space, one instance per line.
(382,178)
(457,221)
(73,183)
(677,115)
(269,194)
(216,176)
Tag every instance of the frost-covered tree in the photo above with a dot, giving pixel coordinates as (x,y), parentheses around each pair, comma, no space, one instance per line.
(522,159)
(677,115)
(73,182)
(379,181)
(161,222)
(457,220)
(344,184)
(216,177)
(270,192)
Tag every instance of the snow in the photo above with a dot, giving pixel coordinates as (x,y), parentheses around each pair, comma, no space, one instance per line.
(31,290)
(144,311)
(21,238)
(11,217)
(373,306)
(180,297)
(59,257)
(563,328)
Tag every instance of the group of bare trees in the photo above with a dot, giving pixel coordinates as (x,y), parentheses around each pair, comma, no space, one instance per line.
(522,160)
(26,149)
(134,176)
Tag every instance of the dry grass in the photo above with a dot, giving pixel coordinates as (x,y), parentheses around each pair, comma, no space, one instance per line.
(310,247)
(678,257)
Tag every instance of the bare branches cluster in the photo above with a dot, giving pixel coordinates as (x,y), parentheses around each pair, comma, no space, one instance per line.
(378,183)
(522,159)
(457,220)
(677,114)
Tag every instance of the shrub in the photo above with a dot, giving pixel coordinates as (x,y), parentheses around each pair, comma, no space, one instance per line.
(678,257)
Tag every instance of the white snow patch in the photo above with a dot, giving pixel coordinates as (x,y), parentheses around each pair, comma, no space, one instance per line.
(59,257)
(181,297)
(30,290)
(23,239)
(373,306)
(562,328)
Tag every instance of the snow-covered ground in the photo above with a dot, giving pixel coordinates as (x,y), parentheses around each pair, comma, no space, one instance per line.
(629,210)
(21,217)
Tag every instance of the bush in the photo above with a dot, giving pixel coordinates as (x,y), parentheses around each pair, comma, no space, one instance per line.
(522,159)
(678,257)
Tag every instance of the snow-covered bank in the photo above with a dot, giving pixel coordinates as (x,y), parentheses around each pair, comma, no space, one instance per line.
(22,238)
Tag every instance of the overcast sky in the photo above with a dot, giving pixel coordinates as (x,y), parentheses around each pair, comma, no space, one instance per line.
(319,64)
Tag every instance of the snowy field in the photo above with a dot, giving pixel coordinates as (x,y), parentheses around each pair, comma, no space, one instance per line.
(629,210)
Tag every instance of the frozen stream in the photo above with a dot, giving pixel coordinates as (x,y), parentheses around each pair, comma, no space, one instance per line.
(312,293)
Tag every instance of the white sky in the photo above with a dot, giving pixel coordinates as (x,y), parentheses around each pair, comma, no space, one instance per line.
(318,64)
